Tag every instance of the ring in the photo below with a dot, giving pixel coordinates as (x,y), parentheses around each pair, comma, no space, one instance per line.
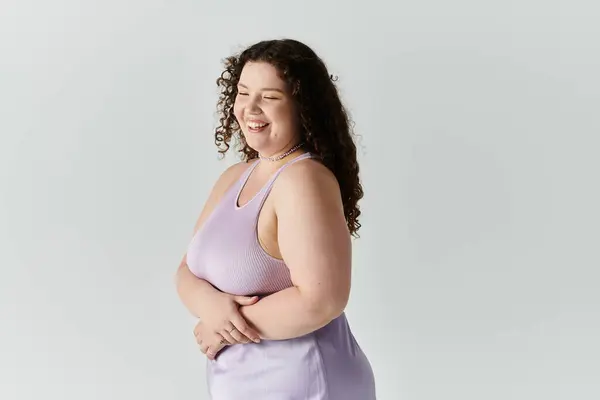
(232,329)
(223,341)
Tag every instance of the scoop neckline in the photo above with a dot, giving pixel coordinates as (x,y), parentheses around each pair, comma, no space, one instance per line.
(246,176)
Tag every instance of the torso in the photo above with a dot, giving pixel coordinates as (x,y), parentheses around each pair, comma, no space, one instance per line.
(267,221)
(235,243)
(325,364)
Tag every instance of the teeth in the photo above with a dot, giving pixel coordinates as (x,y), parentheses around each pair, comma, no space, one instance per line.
(254,125)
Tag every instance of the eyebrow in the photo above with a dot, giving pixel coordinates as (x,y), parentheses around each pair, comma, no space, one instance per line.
(267,89)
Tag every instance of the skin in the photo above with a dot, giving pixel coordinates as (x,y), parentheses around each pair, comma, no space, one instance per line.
(302,222)
(263,96)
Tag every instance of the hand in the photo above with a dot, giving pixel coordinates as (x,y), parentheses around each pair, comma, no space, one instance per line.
(210,342)
(224,318)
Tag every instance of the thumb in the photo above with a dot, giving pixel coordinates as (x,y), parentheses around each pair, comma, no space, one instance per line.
(245,300)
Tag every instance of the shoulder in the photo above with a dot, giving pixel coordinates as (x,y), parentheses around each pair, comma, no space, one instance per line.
(225,180)
(310,212)
(235,170)
(231,174)
(310,180)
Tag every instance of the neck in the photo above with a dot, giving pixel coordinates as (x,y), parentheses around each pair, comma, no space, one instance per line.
(281,155)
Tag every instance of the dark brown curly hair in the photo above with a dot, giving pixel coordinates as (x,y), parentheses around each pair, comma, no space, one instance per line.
(325,122)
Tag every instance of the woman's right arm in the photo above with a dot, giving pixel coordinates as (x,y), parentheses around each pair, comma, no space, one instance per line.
(196,294)
(218,310)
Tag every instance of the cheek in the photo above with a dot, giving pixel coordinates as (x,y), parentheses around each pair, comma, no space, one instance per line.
(237,111)
(283,115)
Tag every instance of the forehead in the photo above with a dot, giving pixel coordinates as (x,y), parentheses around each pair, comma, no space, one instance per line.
(261,74)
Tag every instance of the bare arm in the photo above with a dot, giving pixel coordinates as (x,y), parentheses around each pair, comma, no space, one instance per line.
(198,295)
(195,293)
(315,244)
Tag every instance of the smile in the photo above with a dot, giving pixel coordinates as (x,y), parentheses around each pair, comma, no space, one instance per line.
(256,126)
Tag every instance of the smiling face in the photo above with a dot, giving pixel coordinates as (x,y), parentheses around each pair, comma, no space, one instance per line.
(265,110)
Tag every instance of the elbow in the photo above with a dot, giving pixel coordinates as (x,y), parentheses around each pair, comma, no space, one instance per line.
(336,306)
(325,309)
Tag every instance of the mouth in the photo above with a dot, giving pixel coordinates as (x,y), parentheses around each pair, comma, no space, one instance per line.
(256,126)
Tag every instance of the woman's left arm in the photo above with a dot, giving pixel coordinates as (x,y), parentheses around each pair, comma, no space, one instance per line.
(315,243)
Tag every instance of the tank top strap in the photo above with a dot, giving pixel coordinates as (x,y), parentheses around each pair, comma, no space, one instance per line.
(264,192)
(246,175)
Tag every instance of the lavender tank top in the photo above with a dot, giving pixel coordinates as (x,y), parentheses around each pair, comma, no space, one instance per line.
(226,252)
(327,364)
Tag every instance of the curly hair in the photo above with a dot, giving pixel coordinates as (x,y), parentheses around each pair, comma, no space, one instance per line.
(325,122)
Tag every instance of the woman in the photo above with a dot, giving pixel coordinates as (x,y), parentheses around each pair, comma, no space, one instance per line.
(268,269)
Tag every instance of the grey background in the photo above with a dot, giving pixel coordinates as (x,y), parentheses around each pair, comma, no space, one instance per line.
(476,276)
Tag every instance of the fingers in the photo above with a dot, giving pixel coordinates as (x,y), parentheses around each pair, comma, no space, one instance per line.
(229,337)
(237,336)
(198,329)
(203,346)
(242,327)
(212,345)
(210,353)
(245,300)
(233,335)
(213,350)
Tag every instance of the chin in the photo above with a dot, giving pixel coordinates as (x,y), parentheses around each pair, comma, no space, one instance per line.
(255,143)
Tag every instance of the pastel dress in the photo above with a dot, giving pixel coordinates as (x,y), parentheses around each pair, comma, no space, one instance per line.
(327,364)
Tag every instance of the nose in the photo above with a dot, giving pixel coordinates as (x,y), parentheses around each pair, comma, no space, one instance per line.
(253,107)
